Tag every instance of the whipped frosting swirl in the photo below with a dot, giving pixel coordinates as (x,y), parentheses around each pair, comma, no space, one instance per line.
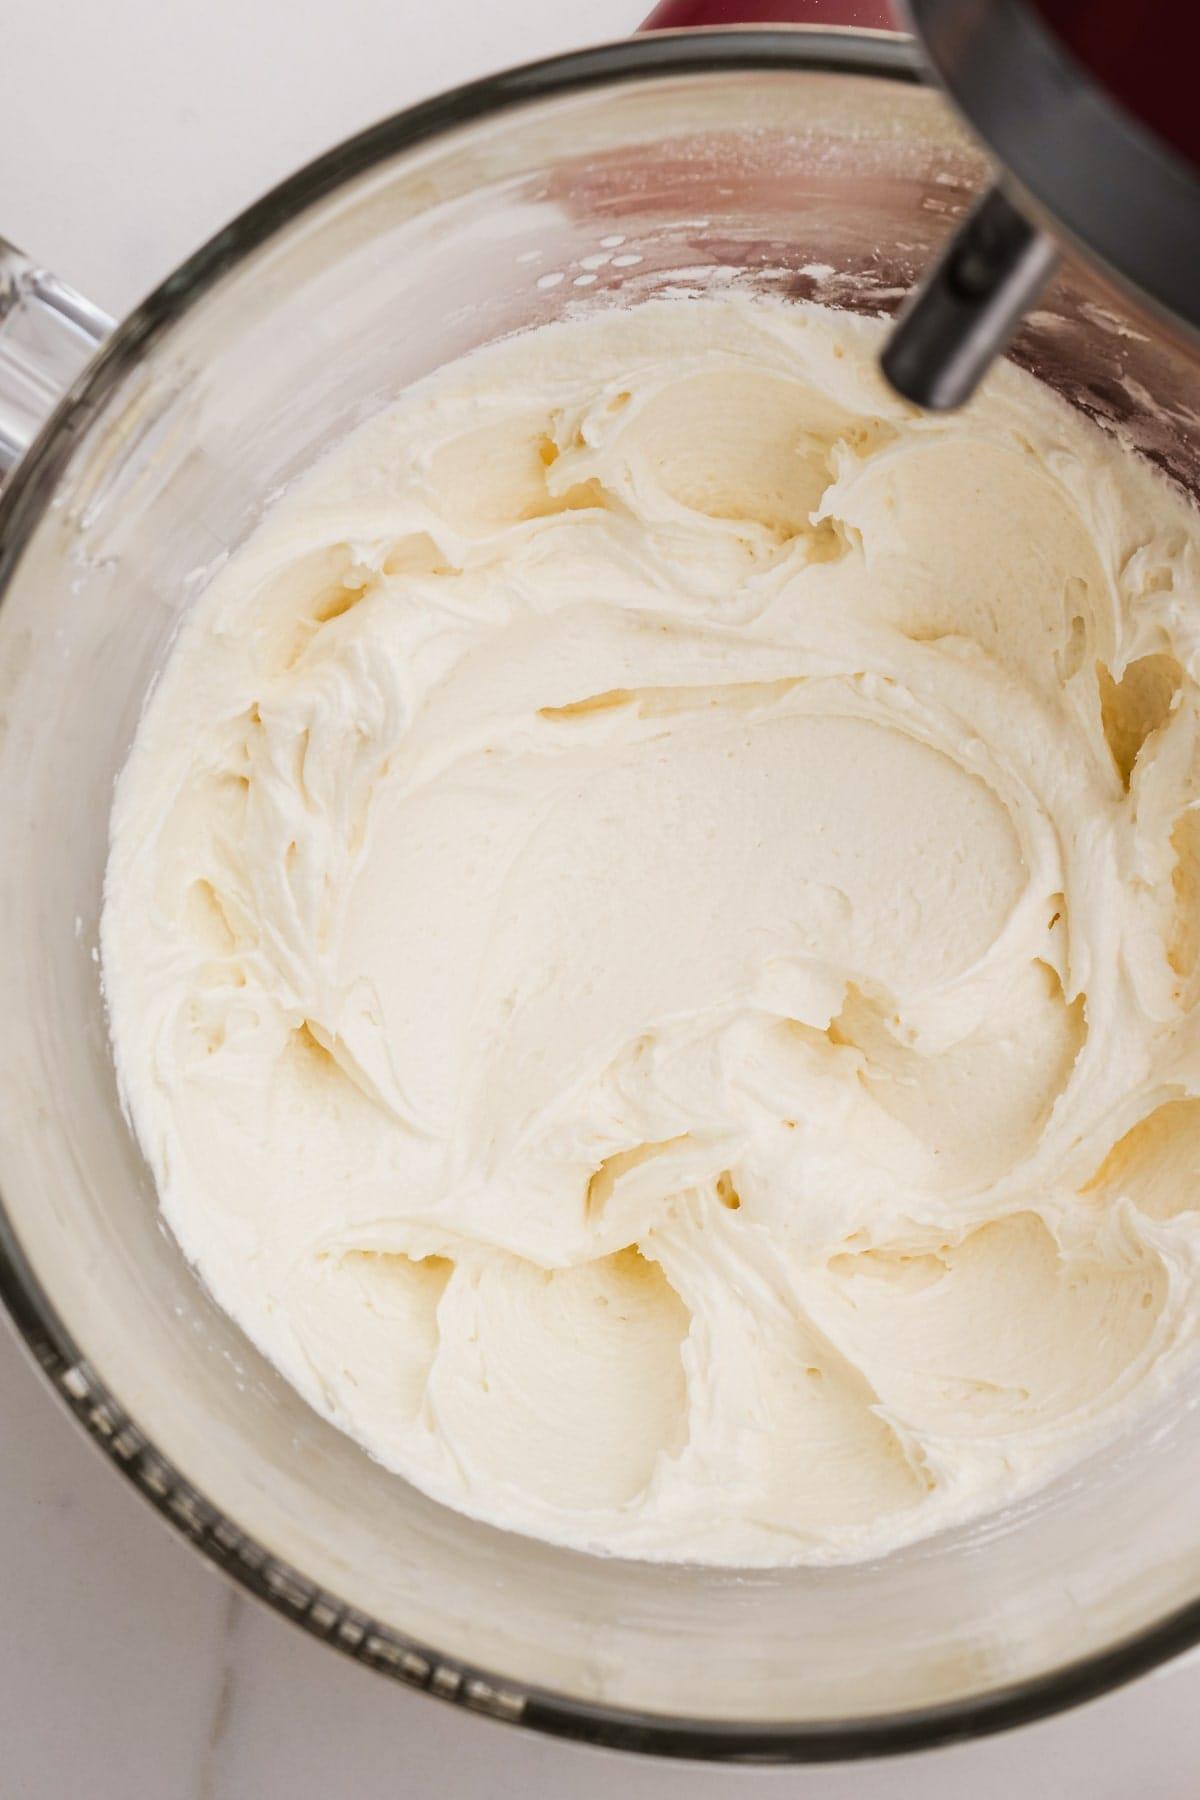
(653,938)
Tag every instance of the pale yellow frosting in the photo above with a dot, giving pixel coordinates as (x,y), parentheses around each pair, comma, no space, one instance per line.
(653,938)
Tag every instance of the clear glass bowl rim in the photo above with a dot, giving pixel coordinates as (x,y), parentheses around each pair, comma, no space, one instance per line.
(885,56)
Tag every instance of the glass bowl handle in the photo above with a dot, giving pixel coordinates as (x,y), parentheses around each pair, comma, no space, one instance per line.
(47,334)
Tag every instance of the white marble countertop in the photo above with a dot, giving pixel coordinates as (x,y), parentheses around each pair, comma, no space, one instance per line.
(129,131)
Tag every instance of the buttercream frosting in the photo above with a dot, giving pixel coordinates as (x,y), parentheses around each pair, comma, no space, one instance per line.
(653,937)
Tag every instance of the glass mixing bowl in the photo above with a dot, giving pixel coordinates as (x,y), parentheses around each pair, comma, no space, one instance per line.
(794,162)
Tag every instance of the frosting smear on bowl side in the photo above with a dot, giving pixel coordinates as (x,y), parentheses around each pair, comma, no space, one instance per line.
(653,938)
